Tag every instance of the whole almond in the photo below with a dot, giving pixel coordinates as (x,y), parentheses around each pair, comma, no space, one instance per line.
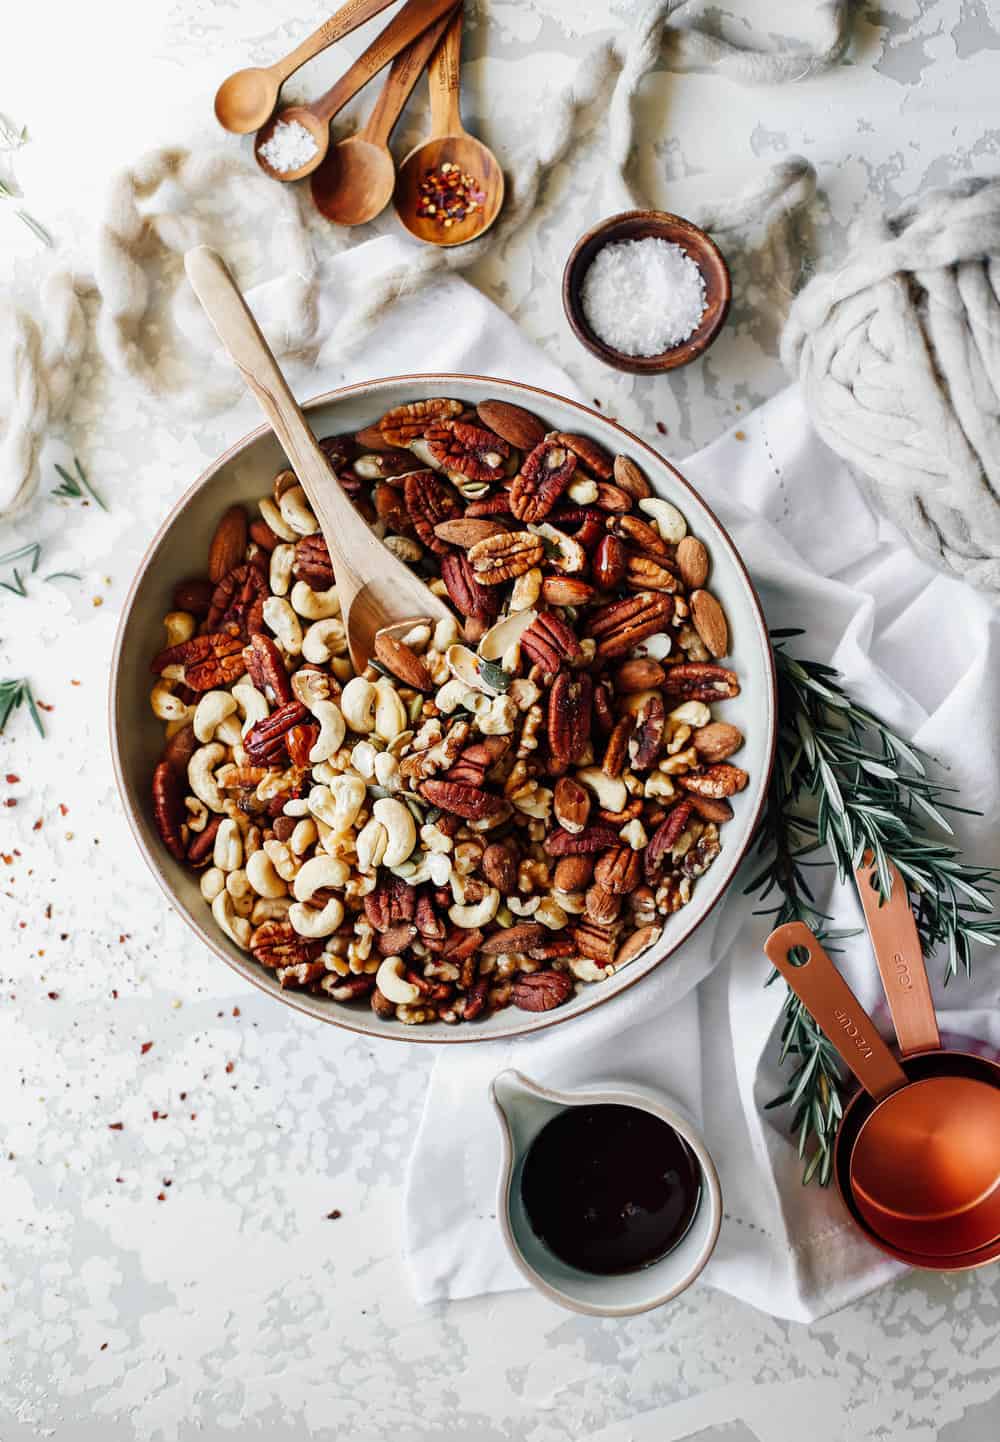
(717,741)
(565,591)
(711,808)
(512,424)
(372,439)
(612,498)
(631,479)
(467,530)
(710,622)
(499,866)
(228,543)
(692,561)
(573,873)
(402,661)
(641,675)
(635,945)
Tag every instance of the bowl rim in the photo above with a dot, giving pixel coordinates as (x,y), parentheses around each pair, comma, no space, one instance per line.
(664,361)
(244,966)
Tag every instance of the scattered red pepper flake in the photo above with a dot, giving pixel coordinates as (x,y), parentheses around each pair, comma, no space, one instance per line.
(661,428)
(38,825)
(168,1181)
(116,1126)
(114,996)
(335,1215)
(448,194)
(160,1116)
(44,706)
(11,779)
(229,1067)
(146,1046)
(161,1196)
(63,810)
(183,1096)
(74,683)
(10,801)
(119,1179)
(236,1011)
(52,995)
(104,1346)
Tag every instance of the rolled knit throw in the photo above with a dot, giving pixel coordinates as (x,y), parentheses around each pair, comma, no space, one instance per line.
(898,354)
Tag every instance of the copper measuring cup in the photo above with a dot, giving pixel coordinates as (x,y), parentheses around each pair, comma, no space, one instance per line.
(918,1159)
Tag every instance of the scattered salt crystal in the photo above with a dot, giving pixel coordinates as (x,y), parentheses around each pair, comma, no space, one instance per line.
(643,297)
(288,147)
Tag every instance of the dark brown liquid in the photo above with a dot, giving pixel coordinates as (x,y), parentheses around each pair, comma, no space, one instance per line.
(609,1188)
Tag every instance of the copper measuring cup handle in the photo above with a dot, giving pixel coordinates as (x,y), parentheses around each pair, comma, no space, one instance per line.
(835,1009)
(900,957)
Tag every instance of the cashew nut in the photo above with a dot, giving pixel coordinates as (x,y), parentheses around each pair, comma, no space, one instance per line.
(320,873)
(666,517)
(227,853)
(166,706)
(236,927)
(332,730)
(197,814)
(285,864)
(263,877)
(270,908)
(357,703)
(316,921)
(212,882)
(280,570)
(304,836)
(551,914)
(323,640)
(252,703)
(390,713)
(339,802)
(297,513)
(230,733)
(370,845)
(201,775)
(180,627)
(315,605)
(401,829)
(393,985)
(283,621)
(210,712)
(478,914)
(387,770)
(240,890)
(275,519)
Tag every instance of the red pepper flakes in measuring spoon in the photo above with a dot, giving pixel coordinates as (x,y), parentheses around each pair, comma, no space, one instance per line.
(449,194)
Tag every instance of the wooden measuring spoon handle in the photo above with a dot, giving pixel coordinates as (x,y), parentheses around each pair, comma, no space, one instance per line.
(346,19)
(445,76)
(411,21)
(400,81)
(240,334)
(896,943)
(835,1009)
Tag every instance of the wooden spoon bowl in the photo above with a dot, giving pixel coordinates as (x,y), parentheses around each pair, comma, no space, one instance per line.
(355,182)
(245,100)
(318,128)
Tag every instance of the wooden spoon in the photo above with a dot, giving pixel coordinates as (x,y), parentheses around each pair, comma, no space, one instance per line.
(449,144)
(404,27)
(245,100)
(375,589)
(356,180)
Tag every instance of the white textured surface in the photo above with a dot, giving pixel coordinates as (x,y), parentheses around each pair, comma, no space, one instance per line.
(234,1306)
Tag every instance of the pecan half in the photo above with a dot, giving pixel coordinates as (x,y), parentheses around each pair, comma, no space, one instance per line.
(542,991)
(312,562)
(623,624)
(665,838)
(465,593)
(504,557)
(266,668)
(590,839)
(568,721)
(429,502)
(644,747)
(301,974)
(392,901)
(498,505)
(544,475)
(716,781)
(588,452)
(514,940)
(473,762)
(616,750)
(349,988)
(639,534)
(710,808)
(266,743)
(612,498)
(610,561)
(548,642)
(402,661)
(699,858)
(475,999)
(467,449)
(168,808)
(604,716)
(276,943)
(406,423)
(619,870)
(180,748)
(228,543)
(470,802)
(512,423)
(700,681)
(194,596)
(431,928)
(200,847)
(598,942)
(642,573)
(602,906)
(208,661)
(238,600)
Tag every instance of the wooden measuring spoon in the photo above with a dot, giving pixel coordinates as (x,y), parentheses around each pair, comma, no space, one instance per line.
(925,1164)
(900,958)
(355,182)
(375,589)
(404,27)
(245,100)
(449,144)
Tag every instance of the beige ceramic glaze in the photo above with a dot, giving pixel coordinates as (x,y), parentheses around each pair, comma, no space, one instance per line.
(245,473)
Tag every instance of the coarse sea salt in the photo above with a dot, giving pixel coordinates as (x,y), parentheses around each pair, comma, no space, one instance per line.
(288,147)
(643,297)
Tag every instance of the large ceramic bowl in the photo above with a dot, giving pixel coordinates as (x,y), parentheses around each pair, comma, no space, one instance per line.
(245,473)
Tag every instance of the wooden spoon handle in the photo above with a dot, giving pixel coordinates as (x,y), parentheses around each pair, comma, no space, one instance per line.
(400,81)
(445,77)
(835,1009)
(240,334)
(900,957)
(411,21)
(346,19)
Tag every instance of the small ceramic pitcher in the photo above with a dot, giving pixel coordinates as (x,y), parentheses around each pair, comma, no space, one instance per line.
(523,1108)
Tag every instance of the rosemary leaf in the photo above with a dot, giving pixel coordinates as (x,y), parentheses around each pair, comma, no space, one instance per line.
(73,487)
(14,693)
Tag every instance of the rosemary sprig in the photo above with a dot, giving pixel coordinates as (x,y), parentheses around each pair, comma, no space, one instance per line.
(73,487)
(12,694)
(864,788)
(17,586)
(62,576)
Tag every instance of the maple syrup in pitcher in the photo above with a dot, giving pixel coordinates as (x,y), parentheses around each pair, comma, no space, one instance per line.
(610,1188)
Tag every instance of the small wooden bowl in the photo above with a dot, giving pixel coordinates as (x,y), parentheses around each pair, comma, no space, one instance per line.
(640,225)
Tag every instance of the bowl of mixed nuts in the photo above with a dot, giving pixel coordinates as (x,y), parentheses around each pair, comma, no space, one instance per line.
(511,815)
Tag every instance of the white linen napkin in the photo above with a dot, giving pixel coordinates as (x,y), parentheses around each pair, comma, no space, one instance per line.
(921,650)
